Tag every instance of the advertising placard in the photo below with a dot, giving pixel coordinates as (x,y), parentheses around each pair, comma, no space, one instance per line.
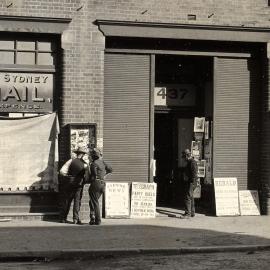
(196,149)
(226,196)
(82,135)
(143,200)
(116,200)
(26,92)
(208,161)
(201,168)
(249,203)
(199,124)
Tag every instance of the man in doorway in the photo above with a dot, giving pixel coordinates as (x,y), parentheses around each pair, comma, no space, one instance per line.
(190,182)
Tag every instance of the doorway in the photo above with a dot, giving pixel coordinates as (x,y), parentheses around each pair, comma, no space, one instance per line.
(183,90)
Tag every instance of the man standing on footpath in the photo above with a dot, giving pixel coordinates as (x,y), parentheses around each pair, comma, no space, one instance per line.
(190,182)
(72,179)
(98,170)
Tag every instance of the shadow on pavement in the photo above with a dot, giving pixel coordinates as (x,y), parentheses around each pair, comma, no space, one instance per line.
(113,237)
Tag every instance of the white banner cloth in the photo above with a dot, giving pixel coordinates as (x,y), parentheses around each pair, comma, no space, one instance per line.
(29,153)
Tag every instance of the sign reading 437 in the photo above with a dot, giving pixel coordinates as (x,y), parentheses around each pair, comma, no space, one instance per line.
(175,95)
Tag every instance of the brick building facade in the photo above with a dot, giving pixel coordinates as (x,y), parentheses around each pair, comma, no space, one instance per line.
(80,92)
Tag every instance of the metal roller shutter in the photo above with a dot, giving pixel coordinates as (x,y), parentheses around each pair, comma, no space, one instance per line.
(231,119)
(126,116)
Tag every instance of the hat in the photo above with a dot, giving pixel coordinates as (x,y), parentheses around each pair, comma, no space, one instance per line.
(96,152)
(186,153)
(81,150)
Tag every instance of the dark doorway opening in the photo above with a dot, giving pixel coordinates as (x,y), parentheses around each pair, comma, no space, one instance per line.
(183,90)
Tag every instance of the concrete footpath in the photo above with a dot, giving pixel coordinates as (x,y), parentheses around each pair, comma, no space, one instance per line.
(165,234)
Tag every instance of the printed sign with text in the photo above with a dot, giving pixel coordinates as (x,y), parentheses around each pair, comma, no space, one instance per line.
(143,200)
(249,203)
(116,200)
(226,196)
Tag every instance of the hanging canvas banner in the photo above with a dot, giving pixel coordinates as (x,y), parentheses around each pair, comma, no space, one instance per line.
(29,153)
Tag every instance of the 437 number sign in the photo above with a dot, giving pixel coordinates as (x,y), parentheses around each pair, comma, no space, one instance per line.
(172,93)
(175,95)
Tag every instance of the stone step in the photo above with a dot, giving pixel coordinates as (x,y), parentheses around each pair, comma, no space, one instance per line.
(28,216)
(27,208)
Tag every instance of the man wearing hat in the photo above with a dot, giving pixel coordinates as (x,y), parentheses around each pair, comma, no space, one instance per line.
(98,169)
(73,175)
(190,182)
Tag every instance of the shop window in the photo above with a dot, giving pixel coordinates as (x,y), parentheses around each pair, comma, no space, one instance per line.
(26,58)
(27,52)
(6,44)
(7,57)
(26,45)
(45,59)
(27,74)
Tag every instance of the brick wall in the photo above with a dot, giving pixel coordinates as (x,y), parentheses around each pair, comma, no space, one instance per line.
(83,45)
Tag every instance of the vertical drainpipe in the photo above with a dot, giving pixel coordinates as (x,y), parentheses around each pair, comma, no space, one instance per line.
(151,118)
(265,138)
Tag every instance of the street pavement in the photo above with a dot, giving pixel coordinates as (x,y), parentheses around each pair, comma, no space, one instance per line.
(165,234)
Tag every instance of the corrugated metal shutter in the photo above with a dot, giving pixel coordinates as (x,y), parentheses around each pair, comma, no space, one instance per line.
(231,119)
(126,116)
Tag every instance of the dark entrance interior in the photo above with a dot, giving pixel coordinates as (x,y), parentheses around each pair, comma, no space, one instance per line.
(183,90)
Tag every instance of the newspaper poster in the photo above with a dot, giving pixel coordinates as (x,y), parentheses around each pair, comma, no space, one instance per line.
(116,200)
(201,168)
(226,196)
(249,203)
(143,200)
(196,149)
(199,124)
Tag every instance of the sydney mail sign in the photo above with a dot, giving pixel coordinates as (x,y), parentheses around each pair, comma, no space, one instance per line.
(26,92)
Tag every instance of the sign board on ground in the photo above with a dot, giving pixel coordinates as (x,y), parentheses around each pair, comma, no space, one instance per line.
(143,200)
(226,196)
(249,203)
(116,200)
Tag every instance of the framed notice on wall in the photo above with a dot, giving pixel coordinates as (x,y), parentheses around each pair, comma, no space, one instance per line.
(199,123)
(82,135)
(201,168)
(226,196)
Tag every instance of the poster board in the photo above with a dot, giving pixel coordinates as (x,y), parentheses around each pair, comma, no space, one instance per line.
(82,135)
(199,124)
(143,200)
(249,203)
(196,149)
(206,130)
(208,161)
(201,168)
(116,200)
(226,196)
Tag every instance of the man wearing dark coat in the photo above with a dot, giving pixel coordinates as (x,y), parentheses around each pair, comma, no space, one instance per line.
(98,170)
(190,182)
(72,177)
